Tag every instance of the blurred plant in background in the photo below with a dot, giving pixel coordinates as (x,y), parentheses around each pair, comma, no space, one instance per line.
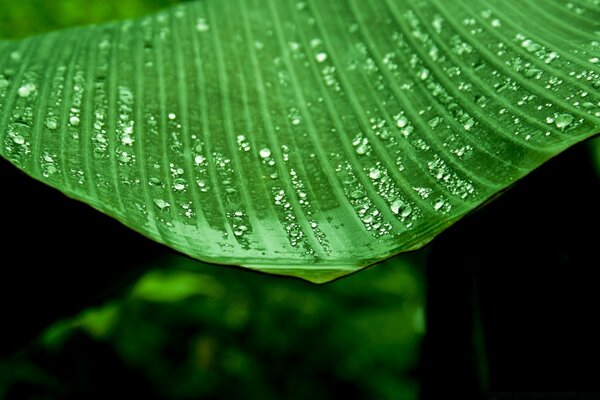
(191,330)
(199,331)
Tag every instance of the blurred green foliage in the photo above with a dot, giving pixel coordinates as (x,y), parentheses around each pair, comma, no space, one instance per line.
(29,17)
(191,330)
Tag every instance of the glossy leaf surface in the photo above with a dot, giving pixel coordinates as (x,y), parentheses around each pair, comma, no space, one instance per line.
(305,138)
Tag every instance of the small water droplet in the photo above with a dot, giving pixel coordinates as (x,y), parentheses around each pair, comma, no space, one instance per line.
(172,116)
(321,57)
(375,174)
(199,160)
(161,204)
(439,204)
(434,122)
(265,153)
(201,25)
(357,194)
(51,124)
(26,90)
(469,124)
(154,181)
(127,140)
(74,120)
(401,122)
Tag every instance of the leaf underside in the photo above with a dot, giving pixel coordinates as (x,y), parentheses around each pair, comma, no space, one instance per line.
(305,138)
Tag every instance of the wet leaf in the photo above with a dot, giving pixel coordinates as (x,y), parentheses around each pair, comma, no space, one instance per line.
(302,138)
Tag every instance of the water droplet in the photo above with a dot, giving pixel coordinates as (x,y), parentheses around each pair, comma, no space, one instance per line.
(160,203)
(26,90)
(434,122)
(201,25)
(530,45)
(296,121)
(439,204)
(321,57)
(154,181)
(18,139)
(564,120)
(594,60)
(265,153)
(357,194)
(127,140)
(496,23)
(172,116)
(402,122)
(375,174)
(399,207)
(469,124)
(74,121)
(51,124)
(199,160)
(179,185)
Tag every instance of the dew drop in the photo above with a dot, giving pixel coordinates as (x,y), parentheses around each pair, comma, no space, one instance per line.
(375,174)
(201,25)
(399,207)
(321,57)
(357,194)
(74,121)
(26,90)
(265,153)
(434,122)
(439,204)
(564,120)
(199,160)
(161,204)
(172,116)
(401,122)
(154,181)
(18,139)
(51,124)
(469,124)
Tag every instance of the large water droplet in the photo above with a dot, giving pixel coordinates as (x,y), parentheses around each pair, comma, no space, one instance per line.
(399,207)
(563,120)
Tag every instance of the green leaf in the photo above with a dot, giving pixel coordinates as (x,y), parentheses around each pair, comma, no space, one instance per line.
(305,138)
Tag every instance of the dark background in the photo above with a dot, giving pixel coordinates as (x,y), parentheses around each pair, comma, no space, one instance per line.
(511,299)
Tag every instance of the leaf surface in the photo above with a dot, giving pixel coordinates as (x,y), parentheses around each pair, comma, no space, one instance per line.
(305,138)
